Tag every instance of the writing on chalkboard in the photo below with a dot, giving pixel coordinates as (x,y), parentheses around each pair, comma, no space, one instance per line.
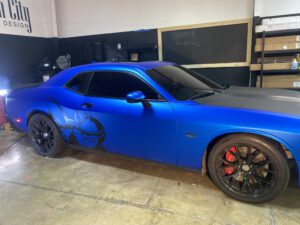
(206,45)
(185,38)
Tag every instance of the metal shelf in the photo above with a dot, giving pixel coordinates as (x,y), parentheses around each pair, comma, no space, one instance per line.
(280,52)
(281,72)
(264,53)
(279,33)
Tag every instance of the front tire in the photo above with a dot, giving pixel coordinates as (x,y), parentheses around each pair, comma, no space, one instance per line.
(249,168)
(45,136)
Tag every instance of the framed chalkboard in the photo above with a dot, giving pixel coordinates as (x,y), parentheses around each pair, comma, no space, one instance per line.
(226,44)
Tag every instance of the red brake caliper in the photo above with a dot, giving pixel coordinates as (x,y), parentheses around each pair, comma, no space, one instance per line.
(230,158)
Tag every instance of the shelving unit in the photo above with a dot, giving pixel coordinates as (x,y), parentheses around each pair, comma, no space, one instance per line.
(274,53)
(271,72)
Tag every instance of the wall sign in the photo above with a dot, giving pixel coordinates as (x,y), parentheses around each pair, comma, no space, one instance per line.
(15,14)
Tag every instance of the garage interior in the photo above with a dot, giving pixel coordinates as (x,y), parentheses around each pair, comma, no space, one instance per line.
(250,43)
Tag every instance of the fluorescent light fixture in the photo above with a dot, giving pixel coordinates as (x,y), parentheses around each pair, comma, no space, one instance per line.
(3,92)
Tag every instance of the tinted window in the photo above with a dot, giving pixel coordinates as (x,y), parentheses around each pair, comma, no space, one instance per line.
(181,83)
(80,82)
(118,85)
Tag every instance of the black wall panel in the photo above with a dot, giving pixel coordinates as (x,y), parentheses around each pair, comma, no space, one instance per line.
(137,41)
(145,42)
(227,76)
(20,56)
(86,52)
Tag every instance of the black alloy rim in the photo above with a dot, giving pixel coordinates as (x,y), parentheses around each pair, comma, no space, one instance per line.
(42,136)
(246,170)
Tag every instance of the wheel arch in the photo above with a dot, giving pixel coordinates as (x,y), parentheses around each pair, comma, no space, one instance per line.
(286,149)
(42,112)
(38,111)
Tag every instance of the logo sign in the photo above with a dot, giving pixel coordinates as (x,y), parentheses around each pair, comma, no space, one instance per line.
(14,14)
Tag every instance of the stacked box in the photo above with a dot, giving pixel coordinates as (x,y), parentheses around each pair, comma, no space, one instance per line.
(271,66)
(280,81)
(277,59)
(278,40)
(279,23)
(278,47)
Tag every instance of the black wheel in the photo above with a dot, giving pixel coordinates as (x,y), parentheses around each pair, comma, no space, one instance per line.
(249,168)
(44,136)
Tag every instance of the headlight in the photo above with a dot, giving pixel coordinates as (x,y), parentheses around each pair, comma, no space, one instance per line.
(3,92)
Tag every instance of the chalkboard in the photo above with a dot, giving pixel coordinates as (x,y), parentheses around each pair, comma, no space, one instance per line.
(206,45)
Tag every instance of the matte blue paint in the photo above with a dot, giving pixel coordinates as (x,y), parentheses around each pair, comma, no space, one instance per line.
(157,133)
(135,96)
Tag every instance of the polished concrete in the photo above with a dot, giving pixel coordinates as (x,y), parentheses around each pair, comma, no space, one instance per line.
(100,188)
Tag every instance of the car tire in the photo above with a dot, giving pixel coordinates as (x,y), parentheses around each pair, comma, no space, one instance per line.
(249,168)
(45,136)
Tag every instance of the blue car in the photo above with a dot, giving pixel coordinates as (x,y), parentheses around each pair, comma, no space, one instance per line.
(243,137)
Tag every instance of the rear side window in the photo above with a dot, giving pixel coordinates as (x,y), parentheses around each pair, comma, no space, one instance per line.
(118,85)
(80,82)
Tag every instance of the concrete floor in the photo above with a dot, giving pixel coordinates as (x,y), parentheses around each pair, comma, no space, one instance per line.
(100,188)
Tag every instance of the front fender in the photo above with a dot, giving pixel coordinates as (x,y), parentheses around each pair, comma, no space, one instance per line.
(292,144)
(279,137)
(199,125)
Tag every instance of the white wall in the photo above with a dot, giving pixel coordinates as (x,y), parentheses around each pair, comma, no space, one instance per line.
(276,7)
(42,18)
(77,18)
(86,17)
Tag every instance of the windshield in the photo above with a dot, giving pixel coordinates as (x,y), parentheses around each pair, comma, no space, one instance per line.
(183,84)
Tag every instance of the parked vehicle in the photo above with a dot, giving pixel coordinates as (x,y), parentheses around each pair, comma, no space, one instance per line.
(163,112)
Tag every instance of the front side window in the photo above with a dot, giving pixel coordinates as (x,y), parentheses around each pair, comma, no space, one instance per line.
(80,82)
(181,83)
(117,85)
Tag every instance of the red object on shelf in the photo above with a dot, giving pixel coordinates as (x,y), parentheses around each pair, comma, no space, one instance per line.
(2,112)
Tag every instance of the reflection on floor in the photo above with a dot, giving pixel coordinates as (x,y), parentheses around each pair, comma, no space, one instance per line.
(101,188)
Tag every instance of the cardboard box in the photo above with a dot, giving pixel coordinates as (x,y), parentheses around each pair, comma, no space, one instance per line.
(271,66)
(279,81)
(278,40)
(277,59)
(280,46)
(287,84)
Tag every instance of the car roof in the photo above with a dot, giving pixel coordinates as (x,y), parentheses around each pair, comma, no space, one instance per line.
(139,65)
(62,77)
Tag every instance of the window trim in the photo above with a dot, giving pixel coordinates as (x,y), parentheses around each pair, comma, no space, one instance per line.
(123,98)
(192,73)
(78,74)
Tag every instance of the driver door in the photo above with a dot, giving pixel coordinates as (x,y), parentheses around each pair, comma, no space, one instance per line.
(130,128)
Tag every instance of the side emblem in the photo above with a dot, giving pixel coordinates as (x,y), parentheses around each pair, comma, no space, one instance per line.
(189,134)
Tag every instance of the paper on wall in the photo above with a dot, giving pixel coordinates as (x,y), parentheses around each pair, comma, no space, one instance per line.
(274,27)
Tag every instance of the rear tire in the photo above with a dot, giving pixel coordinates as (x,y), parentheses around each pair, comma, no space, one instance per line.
(249,168)
(44,136)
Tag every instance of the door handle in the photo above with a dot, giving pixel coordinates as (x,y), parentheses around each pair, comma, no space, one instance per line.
(87,105)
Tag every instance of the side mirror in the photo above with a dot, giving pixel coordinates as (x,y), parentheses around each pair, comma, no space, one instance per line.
(136,97)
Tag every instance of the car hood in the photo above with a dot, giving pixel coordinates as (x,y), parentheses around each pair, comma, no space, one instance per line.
(271,100)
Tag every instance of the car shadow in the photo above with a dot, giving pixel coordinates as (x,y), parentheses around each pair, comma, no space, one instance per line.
(289,199)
